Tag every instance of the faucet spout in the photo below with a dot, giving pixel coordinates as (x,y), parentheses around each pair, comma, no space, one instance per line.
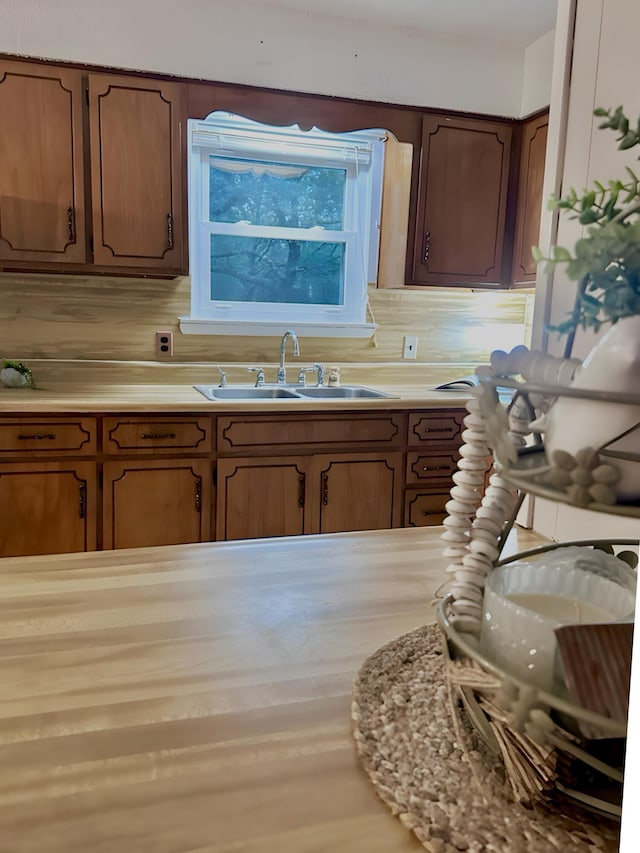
(282,373)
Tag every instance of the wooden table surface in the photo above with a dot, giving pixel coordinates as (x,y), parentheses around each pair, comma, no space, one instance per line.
(196,698)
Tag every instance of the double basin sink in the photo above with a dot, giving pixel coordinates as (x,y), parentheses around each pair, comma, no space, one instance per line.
(288,392)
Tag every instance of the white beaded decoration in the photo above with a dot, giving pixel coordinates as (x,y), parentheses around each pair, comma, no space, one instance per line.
(476,516)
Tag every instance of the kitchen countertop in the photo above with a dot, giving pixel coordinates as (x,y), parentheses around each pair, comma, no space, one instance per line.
(67,386)
(196,697)
(95,397)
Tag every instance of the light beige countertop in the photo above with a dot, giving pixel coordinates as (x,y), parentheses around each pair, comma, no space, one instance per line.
(196,697)
(92,397)
(141,387)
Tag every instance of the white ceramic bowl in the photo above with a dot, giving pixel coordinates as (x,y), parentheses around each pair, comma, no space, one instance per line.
(525,602)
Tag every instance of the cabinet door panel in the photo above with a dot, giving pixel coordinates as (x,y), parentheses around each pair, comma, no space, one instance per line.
(530,201)
(156,503)
(41,164)
(49,508)
(136,172)
(263,497)
(462,201)
(359,492)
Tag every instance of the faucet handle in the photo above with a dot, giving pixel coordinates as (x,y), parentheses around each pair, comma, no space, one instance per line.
(320,368)
(259,377)
(301,375)
(223,377)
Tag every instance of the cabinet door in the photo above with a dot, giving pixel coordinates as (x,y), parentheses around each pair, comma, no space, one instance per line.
(156,502)
(41,164)
(48,507)
(263,497)
(530,201)
(359,492)
(462,201)
(136,169)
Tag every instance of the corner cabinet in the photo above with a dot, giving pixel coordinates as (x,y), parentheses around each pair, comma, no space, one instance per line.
(530,201)
(91,172)
(461,209)
(136,172)
(42,195)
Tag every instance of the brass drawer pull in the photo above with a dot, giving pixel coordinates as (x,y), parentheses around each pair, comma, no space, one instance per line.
(169,231)
(198,495)
(35,436)
(432,512)
(325,489)
(157,435)
(301,490)
(70,223)
(439,429)
(83,501)
(435,467)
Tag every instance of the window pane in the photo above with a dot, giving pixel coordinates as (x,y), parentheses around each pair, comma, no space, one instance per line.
(261,193)
(257,269)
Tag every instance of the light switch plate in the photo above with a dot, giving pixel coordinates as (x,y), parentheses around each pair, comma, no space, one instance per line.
(410,347)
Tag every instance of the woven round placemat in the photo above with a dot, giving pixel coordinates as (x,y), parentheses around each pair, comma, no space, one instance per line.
(434,773)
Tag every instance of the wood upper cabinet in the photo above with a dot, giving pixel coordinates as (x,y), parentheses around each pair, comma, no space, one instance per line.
(530,201)
(136,172)
(49,507)
(156,502)
(462,202)
(42,215)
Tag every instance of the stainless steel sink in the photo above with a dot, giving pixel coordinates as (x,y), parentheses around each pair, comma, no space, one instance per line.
(278,392)
(342,391)
(242,392)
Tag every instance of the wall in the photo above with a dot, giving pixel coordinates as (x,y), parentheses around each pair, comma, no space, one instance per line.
(246,43)
(101,318)
(536,79)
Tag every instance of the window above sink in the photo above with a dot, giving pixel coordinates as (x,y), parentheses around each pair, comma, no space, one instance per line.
(283,227)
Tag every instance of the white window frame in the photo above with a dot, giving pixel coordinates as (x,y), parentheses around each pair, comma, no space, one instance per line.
(360,154)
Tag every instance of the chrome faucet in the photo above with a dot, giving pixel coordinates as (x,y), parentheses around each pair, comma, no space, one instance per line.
(282,373)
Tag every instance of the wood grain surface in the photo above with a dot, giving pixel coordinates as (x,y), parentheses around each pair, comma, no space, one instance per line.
(196,698)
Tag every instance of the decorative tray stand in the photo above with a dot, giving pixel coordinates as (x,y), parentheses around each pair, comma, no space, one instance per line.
(552,747)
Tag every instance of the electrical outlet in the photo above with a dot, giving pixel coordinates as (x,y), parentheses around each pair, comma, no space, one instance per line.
(410,347)
(164,344)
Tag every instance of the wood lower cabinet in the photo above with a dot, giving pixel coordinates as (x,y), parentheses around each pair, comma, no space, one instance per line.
(359,492)
(433,438)
(156,502)
(263,497)
(292,495)
(76,482)
(48,507)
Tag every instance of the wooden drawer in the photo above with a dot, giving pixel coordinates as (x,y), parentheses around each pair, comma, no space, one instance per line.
(143,435)
(422,509)
(289,432)
(63,437)
(431,469)
(442,426)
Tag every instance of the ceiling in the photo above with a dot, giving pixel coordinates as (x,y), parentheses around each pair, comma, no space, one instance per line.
(517,22)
